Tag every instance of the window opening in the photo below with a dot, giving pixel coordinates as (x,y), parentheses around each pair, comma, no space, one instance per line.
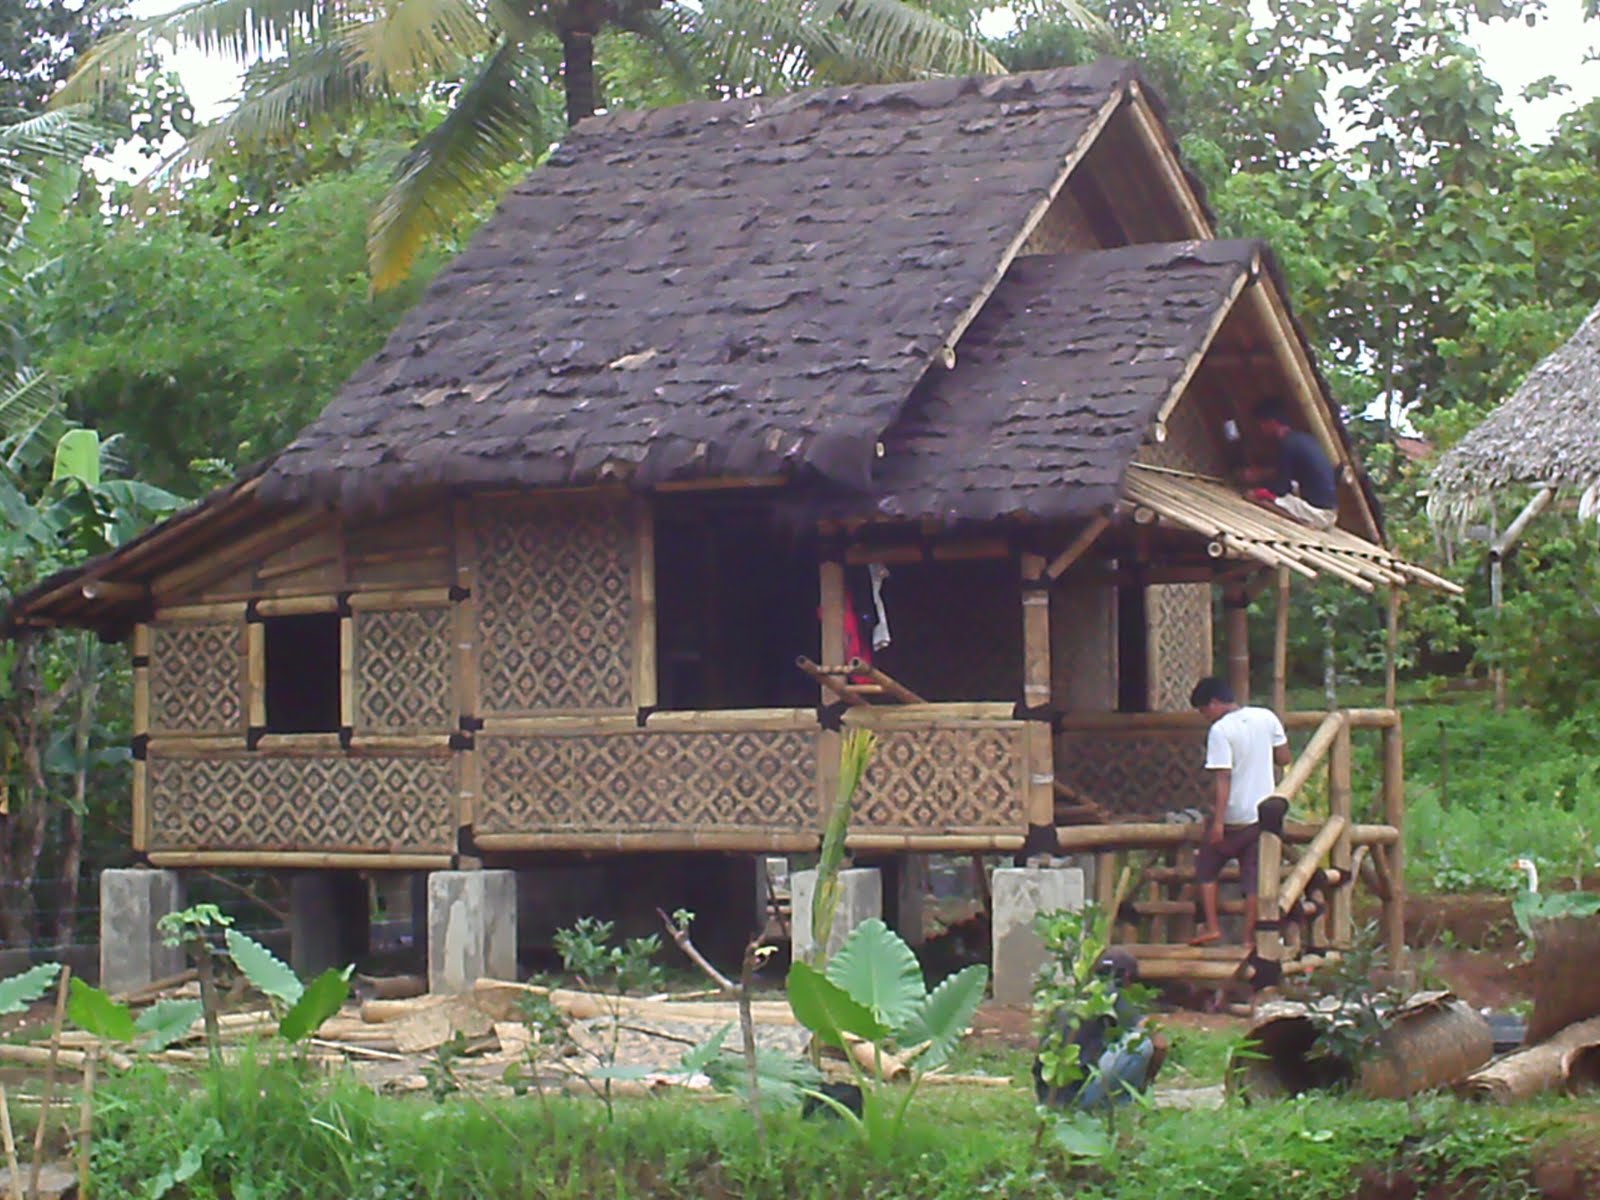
(302,673)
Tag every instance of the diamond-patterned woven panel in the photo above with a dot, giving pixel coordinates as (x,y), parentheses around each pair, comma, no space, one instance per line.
(197,678)
(553,606)
(1143,774)
(1179,617)
(405,676)
(373,805)
(930,780)
(1189,445)
(648,782)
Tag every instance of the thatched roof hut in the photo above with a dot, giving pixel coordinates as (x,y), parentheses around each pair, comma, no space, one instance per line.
(1546,435)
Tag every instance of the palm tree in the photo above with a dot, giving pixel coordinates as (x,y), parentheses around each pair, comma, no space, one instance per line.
(323,58)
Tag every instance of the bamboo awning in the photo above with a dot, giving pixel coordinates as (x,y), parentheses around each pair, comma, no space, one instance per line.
(1240,528)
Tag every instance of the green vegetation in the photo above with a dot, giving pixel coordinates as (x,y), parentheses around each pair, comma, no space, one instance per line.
(266,1129)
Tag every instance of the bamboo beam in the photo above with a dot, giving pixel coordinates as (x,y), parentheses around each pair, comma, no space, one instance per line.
(1141,836)
(193,745)
(933,843)
(1179,970)
(300,859)
(1077,547)
(291,745)
(598,723)
(939,713)
(732,720)
(266,574)
(1394,807)
(750,840)
(1294,885)
(1040,749)
(293,606)
(388,743)
(1147,127)
(370,599)
(1280,644)
(1341,914)
(1237,611)
(231,611)
(642,595)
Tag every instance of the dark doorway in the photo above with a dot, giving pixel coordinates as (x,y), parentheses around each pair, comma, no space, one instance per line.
(302,673)
(736,602)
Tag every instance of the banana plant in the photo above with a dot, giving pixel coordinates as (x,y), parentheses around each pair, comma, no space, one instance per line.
(872,992)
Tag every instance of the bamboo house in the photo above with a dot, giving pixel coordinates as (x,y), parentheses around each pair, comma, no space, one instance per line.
(742,424)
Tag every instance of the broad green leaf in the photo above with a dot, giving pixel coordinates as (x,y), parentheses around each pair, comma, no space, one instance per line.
(166,1021)
(783,1079)
(1081,1136)
(697,1061)
(91,1009)
(879,970)
(827,1010)
(22,990)
(322,998)
(944,1016)
(78,457)
(266,972)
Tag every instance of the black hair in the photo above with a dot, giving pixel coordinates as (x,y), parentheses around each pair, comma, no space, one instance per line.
(1119,964)
(1273,409)
(1208,689)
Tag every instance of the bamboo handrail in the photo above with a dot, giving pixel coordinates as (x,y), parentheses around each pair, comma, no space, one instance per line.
(1294,886)
(887,682)
(1311,757)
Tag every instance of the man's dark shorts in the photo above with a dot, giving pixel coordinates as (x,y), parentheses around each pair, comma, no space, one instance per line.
(1242,842)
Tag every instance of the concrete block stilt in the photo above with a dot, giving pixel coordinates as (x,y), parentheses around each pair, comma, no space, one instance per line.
(472,928)
(860,898)
(1019,895)
(330,920)
(132,952)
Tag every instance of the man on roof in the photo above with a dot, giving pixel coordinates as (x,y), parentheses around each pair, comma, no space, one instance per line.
(1302,484)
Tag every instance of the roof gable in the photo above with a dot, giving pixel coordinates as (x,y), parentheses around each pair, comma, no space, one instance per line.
(742,288)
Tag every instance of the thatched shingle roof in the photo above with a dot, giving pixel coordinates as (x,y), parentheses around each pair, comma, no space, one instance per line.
(1058,381)
(1548,432)
(741,288)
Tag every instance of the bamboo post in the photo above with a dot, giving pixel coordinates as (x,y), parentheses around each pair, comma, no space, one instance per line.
(1341,914)
(831,607)
(1280,644)
(1391,647)
(1183,889)
(1269,936)
(1105,886)
(1036,690)
(347,672)
(13,1167)
(141,728)
(255,674)
(1236,608)
(1394,807)
(49,1081)
(643,597)
(86,1123)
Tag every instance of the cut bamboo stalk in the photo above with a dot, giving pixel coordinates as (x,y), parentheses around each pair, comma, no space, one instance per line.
(884,680)
(49,1091)
(375,860)
(1076,549)
(1294,886)
(13,1167)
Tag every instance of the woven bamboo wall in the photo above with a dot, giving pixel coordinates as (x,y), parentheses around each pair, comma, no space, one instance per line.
(934,780)
(1138,773)
(648,782)
(197,678)
(256,802)
(405,671)
(1083,646)
(1192,444)
(1178,616)
(553,597)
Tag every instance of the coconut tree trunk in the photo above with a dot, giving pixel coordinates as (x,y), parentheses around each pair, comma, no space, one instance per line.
(577,71)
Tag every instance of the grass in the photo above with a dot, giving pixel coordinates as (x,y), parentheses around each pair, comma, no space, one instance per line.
(269,1131)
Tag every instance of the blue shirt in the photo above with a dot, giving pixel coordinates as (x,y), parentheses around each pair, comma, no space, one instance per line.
(1301,461)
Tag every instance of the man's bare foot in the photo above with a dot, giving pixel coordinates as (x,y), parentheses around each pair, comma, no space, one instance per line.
(1205,937)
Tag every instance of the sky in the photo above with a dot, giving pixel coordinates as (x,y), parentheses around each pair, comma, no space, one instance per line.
(1515,55)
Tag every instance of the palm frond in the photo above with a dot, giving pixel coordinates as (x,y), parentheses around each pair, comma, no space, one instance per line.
(240,30)
(314,81)
(411,38)
(674,38)
(67,133)
(493,123)
(30,418)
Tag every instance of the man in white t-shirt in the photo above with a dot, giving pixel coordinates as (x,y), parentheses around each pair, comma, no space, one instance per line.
(1241,748)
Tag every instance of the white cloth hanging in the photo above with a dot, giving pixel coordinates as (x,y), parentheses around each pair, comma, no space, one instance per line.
(877,573)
